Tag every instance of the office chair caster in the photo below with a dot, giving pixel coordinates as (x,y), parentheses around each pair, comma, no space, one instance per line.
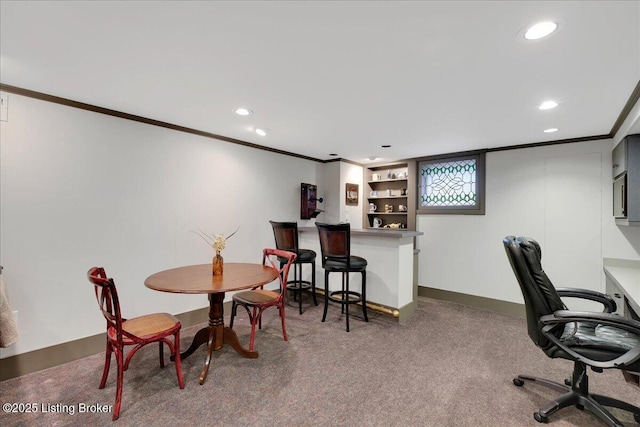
(517,381)
(540,417)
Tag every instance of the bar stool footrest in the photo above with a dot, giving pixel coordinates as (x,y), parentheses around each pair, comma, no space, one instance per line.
(344,297)
(296,285)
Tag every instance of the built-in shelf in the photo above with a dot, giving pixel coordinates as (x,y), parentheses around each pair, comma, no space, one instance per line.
(390,186)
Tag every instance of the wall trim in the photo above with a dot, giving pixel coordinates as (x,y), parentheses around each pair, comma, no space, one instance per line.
(44,358)
(504,307)
(114,113)
(632,100)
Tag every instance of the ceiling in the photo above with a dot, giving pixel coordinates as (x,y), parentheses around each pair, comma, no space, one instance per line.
(340,78)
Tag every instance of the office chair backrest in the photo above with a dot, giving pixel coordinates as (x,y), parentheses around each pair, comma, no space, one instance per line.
(540,297)
(335,241)
(285,235)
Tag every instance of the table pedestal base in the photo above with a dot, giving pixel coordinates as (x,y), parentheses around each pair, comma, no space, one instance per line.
(216,335)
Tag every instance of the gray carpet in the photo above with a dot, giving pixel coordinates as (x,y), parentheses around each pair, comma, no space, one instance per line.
(449,365)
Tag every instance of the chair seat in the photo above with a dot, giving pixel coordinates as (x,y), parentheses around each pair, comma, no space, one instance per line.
(147,326)
(356,264)
(256,297)
(304,255)
(598,342)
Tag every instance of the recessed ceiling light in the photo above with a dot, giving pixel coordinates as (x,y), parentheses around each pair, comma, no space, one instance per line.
(551,130)
(241,111)
(372,158)
(546,105)
(540,30)
(333,154)
(385,146)
(261,132)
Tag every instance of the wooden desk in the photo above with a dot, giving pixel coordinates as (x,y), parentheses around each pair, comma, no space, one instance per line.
(197,279)
(623,284)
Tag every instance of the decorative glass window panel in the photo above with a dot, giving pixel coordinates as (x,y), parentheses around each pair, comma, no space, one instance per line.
(449,183)
(452,185)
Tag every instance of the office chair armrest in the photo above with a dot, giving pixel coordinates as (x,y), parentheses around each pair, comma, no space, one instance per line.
(561,317)
(608,302)
(608,319)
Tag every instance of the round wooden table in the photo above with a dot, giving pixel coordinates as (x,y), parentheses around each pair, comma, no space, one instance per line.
(198,279)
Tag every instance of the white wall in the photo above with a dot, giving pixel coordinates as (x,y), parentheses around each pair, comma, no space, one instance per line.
(80,189)
(335,176)
(560,195)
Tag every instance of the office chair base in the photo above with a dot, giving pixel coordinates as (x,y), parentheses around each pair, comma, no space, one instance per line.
(579,397)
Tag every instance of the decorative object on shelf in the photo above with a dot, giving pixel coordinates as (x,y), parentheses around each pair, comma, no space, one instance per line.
(377,222)
(373,194)
(402,208)
(388,208)
(218,242)
(376,177)
(351,194)
(389,192)
(395,225)
(403,191)
(390,175)
(372,207)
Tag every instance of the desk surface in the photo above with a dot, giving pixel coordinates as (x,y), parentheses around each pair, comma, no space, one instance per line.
(626,275)
(198,279)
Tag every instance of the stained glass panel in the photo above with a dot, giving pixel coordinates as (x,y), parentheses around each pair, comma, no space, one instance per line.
(449,183)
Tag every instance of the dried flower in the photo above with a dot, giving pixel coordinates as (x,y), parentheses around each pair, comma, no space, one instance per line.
(217,241)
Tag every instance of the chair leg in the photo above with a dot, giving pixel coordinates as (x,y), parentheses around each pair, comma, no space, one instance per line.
(176,358)
(364,295)
(257,317)
(161,351)
(234,309)
(107,364)
(297,276)
(326,294)
(342,308)
(313,283)
(284,326)
(119,381)
(346,294)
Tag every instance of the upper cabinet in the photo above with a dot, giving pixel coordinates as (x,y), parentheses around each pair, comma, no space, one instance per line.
(391,199)
(626,181)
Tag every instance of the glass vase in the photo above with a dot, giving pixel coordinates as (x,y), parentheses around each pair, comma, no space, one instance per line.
(218,264)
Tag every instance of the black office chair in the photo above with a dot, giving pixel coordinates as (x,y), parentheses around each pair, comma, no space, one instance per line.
(335,245)
(286,237)
(590,339)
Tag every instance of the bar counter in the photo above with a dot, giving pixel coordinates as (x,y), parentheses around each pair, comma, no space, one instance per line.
(391,267)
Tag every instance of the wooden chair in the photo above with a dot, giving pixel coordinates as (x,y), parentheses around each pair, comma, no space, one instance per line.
(335,245)
(136,332)
(257,300)
(286,238)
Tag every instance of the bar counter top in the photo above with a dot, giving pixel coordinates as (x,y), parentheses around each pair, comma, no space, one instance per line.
(374,232)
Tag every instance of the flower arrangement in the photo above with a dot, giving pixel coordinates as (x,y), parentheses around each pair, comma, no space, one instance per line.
(217,241)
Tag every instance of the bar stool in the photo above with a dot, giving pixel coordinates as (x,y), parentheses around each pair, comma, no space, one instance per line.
(286,237)
(335,244)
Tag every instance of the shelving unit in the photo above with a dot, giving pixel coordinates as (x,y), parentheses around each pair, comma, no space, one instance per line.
(391,190)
